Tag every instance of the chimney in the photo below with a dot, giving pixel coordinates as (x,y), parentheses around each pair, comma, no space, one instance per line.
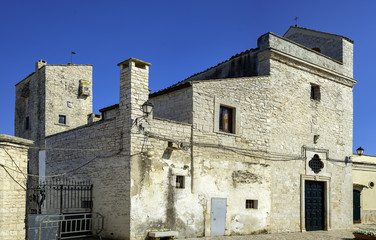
(38,65)
(134,87)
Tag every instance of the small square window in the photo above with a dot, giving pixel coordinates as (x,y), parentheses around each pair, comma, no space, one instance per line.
(62,119)
(27,123)
(315,92)
(251,204)
(180,182)
(226,119)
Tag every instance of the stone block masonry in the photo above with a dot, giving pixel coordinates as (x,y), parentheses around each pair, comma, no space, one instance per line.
(260,132)
(13,160)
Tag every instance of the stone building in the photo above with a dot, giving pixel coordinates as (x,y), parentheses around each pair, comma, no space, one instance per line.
(13,162)
(53,99)
(258,143)
(364,179)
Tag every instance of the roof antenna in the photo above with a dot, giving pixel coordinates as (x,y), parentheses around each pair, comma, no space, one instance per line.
(296,21)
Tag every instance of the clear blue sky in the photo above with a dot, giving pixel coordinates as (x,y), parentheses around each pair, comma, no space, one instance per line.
(179,38)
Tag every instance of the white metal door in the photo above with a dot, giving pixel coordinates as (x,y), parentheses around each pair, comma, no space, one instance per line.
(218,216)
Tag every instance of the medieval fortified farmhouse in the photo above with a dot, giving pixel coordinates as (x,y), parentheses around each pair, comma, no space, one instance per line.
(258,143)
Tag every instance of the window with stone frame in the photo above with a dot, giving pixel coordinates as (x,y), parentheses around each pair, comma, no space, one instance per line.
(251,204)
(180,181)
(315,92)
(62,119)
(226,119)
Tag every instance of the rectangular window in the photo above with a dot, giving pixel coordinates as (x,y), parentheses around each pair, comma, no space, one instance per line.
(27,123)
(251,204)
(180,182)
(315,92)
(62,119)
(226,119)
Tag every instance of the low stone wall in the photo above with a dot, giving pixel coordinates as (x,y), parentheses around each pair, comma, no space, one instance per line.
(13,161)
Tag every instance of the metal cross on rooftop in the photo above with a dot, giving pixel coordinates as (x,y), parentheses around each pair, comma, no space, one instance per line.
(296,21)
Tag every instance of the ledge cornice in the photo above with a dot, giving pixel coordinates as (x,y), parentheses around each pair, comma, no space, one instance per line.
(306,66)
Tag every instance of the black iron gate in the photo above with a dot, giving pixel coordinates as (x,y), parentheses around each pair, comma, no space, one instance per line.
(57,196)
(314,205)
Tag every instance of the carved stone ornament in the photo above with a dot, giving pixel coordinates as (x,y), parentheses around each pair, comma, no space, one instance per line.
(316,164)
(246,177)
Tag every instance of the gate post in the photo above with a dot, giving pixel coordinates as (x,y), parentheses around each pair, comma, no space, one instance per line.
(61,199)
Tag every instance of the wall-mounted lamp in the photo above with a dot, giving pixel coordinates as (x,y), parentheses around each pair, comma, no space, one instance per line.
(360,151)
(147,107)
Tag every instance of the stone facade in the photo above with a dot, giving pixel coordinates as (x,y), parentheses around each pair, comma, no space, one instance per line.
(364,180)
(48,96)
(251,132)
(13,169)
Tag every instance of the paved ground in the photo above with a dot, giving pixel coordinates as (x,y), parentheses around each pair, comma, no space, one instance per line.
(316,235)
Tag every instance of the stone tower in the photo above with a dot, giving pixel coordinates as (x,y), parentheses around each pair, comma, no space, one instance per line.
(53,99)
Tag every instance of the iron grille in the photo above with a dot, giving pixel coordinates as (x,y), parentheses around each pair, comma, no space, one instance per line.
(60,196)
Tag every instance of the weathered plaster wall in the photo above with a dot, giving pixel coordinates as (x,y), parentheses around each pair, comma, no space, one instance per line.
(364,172)
(157,204)
(13,155)
(233,166)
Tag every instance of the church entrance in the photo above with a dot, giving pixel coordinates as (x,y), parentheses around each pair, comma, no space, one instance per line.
(314,206)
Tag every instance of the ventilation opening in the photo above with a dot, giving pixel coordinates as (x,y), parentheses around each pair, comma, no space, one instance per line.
(251,204)
(315,92)
(124,66)
(140,65)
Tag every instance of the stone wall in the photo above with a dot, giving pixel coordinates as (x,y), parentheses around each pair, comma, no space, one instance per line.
(299,52)
(64,96)
(94,152)
(364,174)
(329,45)
(295,120)
(232,165)
(277,128)
(50,91)
(13,160)
(241,65)
(176,106)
